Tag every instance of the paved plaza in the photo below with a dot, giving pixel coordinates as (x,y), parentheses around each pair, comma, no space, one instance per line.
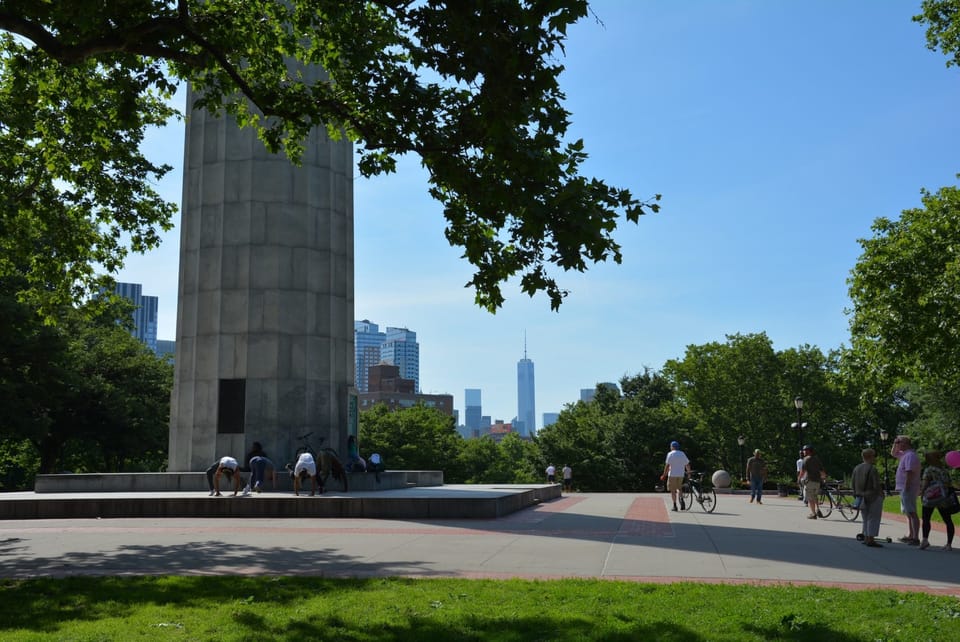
(621,536)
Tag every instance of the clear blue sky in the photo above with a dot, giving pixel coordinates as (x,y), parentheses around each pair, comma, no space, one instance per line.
(776,132)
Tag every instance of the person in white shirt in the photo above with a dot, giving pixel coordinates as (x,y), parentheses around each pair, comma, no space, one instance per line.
(306,465)
(551,474)
(567,478)
(675,467)
(231,468)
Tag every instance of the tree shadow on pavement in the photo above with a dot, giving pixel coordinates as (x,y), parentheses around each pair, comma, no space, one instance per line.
(188,558)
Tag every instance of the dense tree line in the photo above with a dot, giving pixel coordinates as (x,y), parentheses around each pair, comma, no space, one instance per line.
(716,393)
(81,394)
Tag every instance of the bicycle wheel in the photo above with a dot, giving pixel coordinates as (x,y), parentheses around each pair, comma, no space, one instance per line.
(824,503)
(845,506)
(708,500)
(686,496)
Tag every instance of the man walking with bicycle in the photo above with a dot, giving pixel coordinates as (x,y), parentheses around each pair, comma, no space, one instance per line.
(676,465)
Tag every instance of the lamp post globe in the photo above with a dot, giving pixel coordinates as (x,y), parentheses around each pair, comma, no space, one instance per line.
(799,425)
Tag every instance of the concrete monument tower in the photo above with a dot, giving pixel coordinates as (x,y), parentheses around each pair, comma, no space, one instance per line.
(265,311)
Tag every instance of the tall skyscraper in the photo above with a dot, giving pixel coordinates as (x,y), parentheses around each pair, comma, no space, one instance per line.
(400,348)
(526,406)
(145,314)
(472,409)
(367,340)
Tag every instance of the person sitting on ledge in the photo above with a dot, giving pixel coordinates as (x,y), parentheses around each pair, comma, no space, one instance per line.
(376,465)
(225,466)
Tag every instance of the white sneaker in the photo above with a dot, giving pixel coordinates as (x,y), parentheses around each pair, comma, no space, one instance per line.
(211,493)
(246,491)
(256,487)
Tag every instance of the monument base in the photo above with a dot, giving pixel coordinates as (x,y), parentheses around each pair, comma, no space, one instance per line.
(194,481)
(415,495)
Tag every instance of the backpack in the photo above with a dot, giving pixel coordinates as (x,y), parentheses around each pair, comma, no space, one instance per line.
(935,494)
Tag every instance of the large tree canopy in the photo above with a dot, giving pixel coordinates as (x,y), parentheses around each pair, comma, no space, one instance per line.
(905,290)
(471,87)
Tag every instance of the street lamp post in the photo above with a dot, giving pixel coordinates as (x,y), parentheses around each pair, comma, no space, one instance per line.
(741,440)
(884,435)
(799,425)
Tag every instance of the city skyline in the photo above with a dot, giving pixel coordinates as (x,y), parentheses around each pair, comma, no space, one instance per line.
(773,157)
(144,314)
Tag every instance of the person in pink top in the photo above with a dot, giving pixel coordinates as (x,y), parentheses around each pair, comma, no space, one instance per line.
(908,485)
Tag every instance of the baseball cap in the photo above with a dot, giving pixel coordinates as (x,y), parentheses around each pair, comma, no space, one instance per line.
(674,444)
(808,447)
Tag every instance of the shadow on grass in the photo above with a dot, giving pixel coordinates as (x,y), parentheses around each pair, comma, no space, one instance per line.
(57,607)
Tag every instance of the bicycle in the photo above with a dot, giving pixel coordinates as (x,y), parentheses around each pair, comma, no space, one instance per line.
(832,496)
(334,468)
(694,489)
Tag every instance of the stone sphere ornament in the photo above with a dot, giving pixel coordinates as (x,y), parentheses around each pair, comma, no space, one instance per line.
(721,479)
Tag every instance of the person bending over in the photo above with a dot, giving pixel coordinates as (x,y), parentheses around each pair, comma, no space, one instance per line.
(231,468)
(306,466)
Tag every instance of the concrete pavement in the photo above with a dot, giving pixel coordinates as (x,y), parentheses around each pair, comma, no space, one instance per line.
(599,535)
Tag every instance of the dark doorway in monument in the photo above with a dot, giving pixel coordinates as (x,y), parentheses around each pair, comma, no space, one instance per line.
(231,407)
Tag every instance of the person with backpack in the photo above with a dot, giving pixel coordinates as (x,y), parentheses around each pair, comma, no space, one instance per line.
(935,482)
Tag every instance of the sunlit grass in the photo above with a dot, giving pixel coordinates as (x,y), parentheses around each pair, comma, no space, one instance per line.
(283,608)
(892,505)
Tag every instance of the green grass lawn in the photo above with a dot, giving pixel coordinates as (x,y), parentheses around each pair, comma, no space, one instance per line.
(284,608)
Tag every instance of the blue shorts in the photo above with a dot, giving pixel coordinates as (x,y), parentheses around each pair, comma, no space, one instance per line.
(908,502)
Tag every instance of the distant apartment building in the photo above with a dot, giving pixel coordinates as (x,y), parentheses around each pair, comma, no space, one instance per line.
(144,314)
(385,377)
(499,430)
(400,348)
(387,387)
(166,348)
(367,342)
(473,412)
(588,394)
(550,418)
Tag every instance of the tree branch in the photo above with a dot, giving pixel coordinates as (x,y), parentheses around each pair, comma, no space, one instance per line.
(144,39)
